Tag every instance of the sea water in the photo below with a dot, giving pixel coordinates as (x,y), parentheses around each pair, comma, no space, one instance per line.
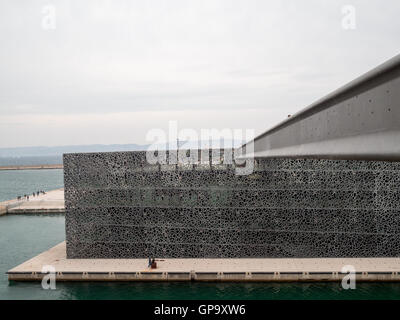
(14,183)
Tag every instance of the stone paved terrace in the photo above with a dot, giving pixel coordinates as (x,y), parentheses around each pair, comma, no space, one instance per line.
(254,269)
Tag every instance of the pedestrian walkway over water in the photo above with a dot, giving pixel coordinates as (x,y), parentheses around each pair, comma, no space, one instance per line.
(50,202)
(319,269)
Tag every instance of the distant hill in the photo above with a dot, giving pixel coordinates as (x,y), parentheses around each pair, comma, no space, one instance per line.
(21,156)
(53,155)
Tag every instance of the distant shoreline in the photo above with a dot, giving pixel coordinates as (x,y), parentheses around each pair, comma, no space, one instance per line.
(33,167)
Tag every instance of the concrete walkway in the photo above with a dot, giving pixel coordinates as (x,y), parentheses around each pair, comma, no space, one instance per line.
(51,202)
(329,269)
(32,167)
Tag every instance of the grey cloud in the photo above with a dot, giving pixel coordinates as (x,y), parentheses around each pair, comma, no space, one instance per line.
(120,56)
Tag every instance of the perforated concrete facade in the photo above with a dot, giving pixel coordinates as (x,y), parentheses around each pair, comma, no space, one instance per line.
(119,206)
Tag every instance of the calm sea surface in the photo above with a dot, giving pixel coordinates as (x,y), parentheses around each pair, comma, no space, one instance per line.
(15,183)
(24,236)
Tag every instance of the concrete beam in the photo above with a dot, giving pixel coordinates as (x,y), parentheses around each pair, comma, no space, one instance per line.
(360,121)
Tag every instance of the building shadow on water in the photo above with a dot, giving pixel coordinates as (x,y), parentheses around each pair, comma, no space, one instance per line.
(206,291)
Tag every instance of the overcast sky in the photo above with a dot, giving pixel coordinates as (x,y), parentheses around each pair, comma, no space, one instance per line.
(108,71)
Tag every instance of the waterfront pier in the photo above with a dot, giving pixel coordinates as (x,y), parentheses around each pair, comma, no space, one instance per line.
(257,269)
(51,202)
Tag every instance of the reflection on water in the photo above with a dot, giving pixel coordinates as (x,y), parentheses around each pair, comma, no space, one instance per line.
(198,290)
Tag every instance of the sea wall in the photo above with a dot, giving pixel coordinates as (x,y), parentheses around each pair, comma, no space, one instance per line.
(5,206)
(119,206)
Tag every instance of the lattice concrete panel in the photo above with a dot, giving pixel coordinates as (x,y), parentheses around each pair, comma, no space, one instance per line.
(119,206)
